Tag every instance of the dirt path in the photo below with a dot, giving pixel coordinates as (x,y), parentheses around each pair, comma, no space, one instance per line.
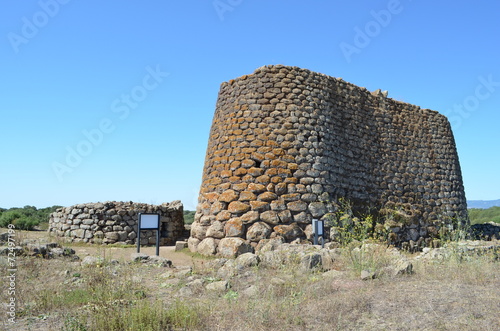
(124,254)
(118,253)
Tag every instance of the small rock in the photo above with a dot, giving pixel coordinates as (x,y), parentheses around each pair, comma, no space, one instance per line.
(186,292)
(328,258)
(367,275)
(57,251)
(272,259)
(251,291)
(170,282)
(35,249)
(168,274)
(232,247)
(69,251)
(196,283)
(91,261)
(228,270)
(311,261)
(289,232)
(258,231)
(180,245)
(217,263)
(193,243)
(247,260)
(402,267)
(333,274)
(160,261)
(139,257)
(52,245)
(269,244)
(277,281)
(218,286)
(184,272)
(207,247)
(4,237)
(4,262)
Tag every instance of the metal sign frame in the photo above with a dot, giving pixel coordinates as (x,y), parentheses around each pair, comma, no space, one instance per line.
(319,230)
(148,221)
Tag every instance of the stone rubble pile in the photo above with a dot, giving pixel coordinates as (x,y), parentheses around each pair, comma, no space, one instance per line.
(33,247)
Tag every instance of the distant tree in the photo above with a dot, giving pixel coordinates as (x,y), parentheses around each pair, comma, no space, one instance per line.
(189,216)
(478,216)
(26,218)
(16,217)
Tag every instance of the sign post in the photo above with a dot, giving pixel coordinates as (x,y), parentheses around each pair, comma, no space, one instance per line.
(318,230)
(148,222)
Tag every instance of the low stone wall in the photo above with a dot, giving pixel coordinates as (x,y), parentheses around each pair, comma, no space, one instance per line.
(486,231)
(116,222)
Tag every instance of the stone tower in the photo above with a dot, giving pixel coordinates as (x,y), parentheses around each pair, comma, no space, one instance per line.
(286,143)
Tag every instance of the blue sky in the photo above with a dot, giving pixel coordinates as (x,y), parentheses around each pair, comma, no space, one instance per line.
(113,100)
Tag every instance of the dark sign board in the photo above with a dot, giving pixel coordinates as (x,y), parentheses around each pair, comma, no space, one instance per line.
(148,222)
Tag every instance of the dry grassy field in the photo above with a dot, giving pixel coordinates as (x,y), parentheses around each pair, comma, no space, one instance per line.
(113,293)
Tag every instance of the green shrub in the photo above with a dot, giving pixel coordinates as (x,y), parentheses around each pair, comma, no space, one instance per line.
(9,217)
(20,220)
(479,216)
(189,216)
(347,227)
(26,223)
(25,218)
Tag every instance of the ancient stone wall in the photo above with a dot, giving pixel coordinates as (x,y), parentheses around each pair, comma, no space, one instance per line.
(286,143)
(116,222)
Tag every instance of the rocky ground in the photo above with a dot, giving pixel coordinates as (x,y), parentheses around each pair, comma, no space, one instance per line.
(294,287)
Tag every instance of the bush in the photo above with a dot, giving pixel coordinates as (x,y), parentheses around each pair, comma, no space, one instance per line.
(346,227)
(17,218)
(26,223)
(479,216)
(189,216)
(26,218)
(9,217)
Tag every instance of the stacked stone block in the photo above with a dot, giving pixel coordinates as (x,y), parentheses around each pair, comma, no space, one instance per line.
(286,143)
(116,222)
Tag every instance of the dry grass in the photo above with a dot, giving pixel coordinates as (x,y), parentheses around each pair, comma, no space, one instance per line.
(453,294)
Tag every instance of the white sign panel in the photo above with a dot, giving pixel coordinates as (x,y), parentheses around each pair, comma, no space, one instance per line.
(149,221)
(320,225)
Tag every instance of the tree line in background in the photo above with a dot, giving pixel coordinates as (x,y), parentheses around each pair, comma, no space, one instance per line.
(29,217)
(26,218)
(479,216)
(189,216)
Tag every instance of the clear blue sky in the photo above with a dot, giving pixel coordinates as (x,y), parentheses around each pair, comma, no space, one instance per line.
(130,86)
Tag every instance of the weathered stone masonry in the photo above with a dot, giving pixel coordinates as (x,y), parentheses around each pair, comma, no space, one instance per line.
(286,143)
(116,222)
